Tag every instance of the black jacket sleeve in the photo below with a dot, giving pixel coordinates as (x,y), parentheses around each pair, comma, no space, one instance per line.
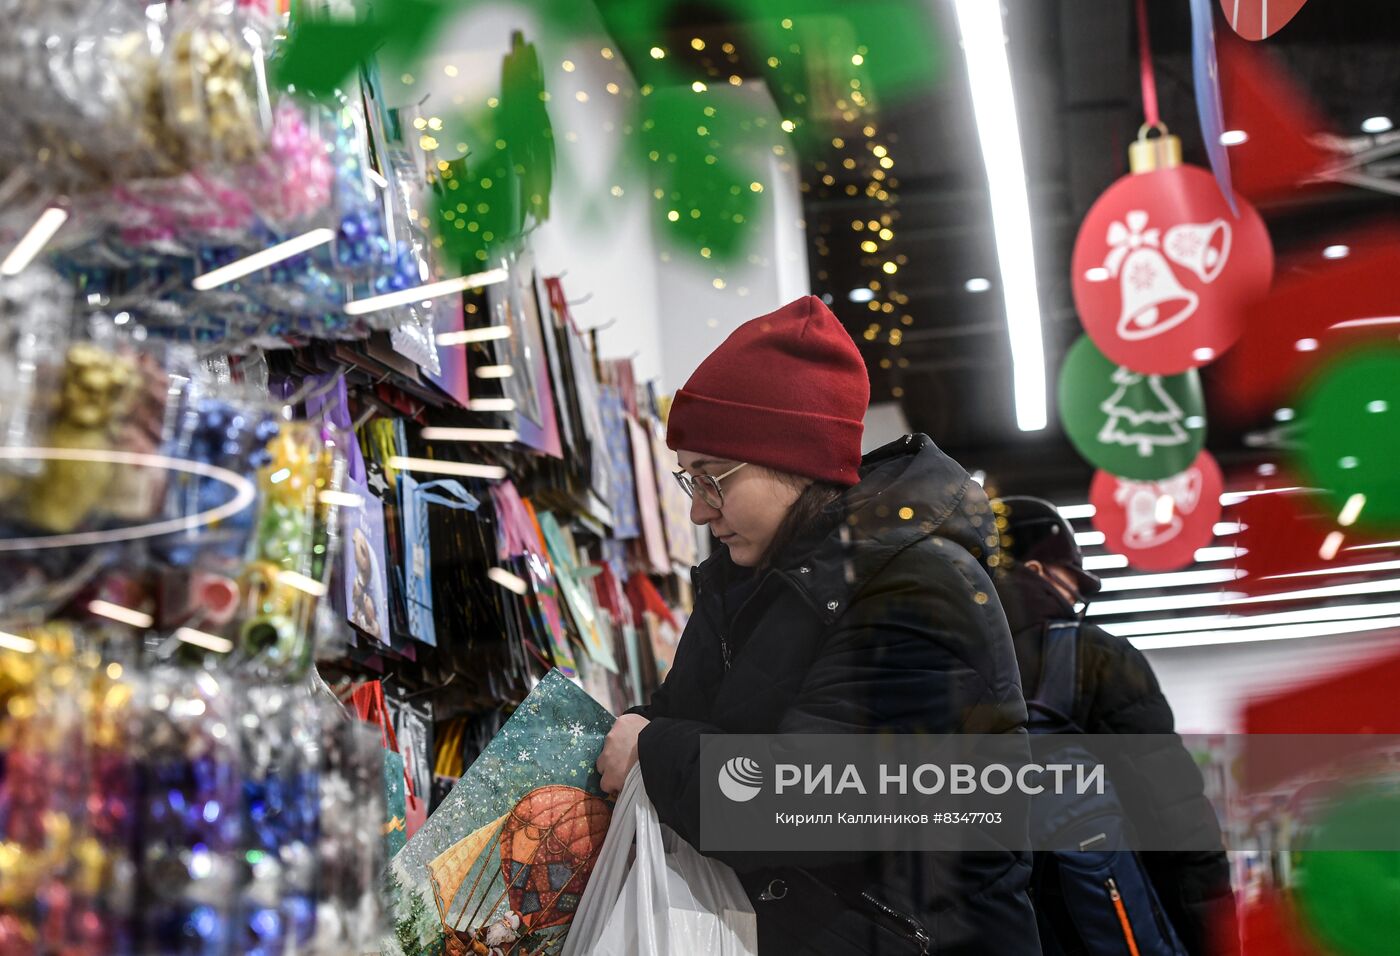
(1123,697)
(918,651)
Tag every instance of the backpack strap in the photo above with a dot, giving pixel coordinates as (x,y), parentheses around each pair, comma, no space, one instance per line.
(1059,668)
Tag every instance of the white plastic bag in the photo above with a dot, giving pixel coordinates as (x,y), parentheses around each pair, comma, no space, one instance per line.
(670,902)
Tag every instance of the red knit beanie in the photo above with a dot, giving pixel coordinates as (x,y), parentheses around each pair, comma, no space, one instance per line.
(787,390)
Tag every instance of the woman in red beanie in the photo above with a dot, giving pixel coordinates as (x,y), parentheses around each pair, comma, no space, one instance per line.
(844,596)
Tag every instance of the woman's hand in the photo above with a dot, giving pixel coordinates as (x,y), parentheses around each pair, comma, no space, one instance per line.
(620,751)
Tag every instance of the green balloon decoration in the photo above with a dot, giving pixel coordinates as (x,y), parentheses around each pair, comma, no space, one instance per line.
(1348,896)
(825,61)
(487,199)
(1350,415)
(704,196)
(1142,427)
(321,51)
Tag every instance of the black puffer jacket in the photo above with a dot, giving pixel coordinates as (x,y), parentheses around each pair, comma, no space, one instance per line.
(884,618)
(1117,693)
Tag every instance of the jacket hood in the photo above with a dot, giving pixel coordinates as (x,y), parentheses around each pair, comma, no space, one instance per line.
(909,488)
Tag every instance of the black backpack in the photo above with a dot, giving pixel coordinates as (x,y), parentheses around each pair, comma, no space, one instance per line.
(1098,899)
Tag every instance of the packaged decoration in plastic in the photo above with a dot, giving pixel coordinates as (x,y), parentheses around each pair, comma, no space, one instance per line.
(505,858)
(189,818)
(281,737)
(285,579)
(96,391)
(34,313)
(350,851)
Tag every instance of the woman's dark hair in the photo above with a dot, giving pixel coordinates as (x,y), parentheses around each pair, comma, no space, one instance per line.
(806,513)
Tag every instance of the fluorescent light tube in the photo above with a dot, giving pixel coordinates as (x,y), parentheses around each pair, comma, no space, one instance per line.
(210,642)
(1223,598)
(1286,632)
(124,615)
(14,642)
(1136,582)
(302,583)
(489,334)
(435,433)
(33,241)
(491,404)
(511,582)
(1221,622)
(494,371)
(1071,512)
(432,290)
(994,107)
(1341,569)
(344,499)
(460,468)
(261,260)
(1351,510)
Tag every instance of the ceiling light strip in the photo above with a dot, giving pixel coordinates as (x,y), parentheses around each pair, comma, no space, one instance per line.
(1226,622)
(994,107)
(1285,632)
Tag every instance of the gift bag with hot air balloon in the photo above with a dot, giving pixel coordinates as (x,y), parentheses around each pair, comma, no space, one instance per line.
(500,866)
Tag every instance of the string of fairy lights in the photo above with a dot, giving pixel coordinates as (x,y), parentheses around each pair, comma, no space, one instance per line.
(865,155)
(829,130)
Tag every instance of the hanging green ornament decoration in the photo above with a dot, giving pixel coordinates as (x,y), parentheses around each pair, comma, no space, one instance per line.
(1348,873)
(322,51)
(1350,414)
(523,128)
(1143,427)
(487,199)
(705,195)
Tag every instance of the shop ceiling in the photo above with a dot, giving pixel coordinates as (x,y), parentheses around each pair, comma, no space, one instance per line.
(1074,71)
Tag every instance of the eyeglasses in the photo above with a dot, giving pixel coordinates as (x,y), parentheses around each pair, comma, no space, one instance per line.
(708,485)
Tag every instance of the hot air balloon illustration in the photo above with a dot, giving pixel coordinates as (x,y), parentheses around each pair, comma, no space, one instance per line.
(521,874)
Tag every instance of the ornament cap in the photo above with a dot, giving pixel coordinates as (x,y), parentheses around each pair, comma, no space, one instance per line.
(1148,154)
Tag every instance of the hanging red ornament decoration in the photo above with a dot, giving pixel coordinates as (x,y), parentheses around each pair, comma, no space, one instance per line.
(1259,19)
(1159,525)
(1162,268)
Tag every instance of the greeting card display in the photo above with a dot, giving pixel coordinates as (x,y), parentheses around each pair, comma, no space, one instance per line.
(416,500)
(366,587)
(1144,427)
(518,538)
(503,861)
(522,357)
(1159,525)
(619,451)
(675,506)
(1162,269)
(653,550)
(577,597)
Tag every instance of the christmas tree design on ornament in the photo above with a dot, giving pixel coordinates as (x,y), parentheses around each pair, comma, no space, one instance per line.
(1153,299)
(1157,424)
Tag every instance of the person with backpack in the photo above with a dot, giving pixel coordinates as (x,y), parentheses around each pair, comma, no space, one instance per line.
(844,595)
(1078,678)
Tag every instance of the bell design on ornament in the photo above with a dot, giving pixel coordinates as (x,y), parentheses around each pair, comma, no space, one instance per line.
(1153,300)
(1204,248)
(1154,509)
